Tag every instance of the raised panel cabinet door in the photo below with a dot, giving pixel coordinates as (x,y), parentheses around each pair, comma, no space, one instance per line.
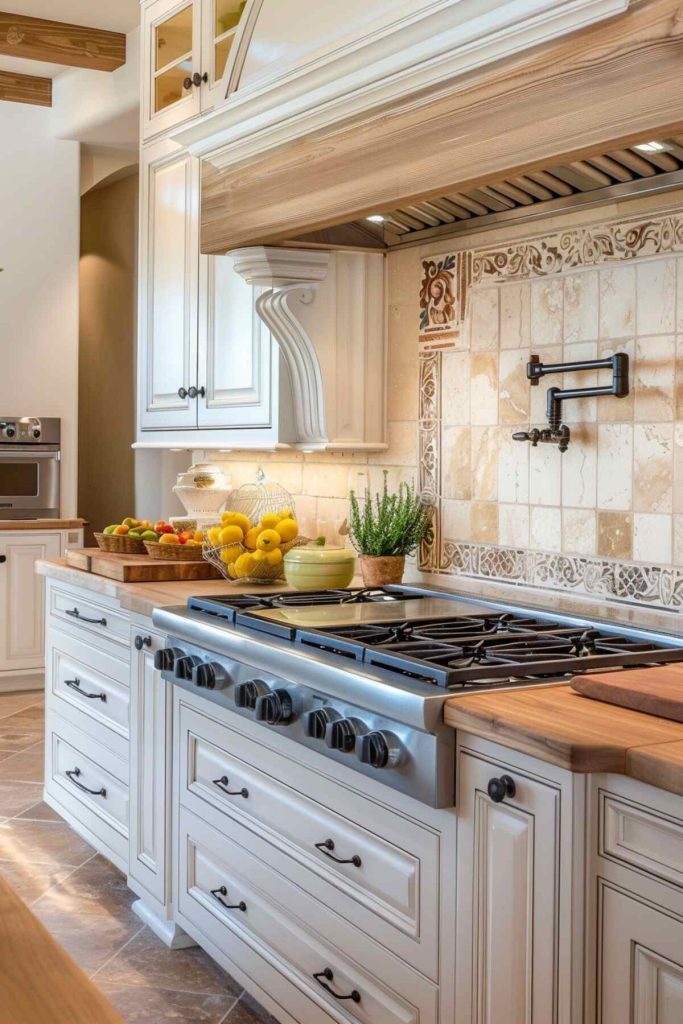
(171,57)
(169,283)
(235,351)
(508,899)
(150,767)
(22,645)
(640,961)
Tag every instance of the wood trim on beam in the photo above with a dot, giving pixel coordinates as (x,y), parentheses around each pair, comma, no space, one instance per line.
(59,43)
(25,89)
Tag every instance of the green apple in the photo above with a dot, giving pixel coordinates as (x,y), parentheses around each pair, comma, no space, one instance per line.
(110,529)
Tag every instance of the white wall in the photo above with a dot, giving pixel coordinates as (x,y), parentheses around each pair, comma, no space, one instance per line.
(39,250)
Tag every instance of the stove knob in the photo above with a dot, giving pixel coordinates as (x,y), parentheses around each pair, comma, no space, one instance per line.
(10,431)
(246,694)
(164,660)
(379,749)
(36,433)
(183,666)
(274,708)
(316,722)
(341,735)
(210,675)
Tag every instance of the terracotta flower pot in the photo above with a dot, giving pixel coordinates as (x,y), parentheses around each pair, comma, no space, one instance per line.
(380,570)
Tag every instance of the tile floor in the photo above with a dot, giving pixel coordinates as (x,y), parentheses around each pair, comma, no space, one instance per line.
(85,903)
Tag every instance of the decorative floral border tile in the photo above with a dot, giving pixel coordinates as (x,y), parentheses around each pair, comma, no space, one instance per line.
(443,299)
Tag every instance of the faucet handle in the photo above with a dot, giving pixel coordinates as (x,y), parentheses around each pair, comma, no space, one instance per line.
(534,435)
(521,435)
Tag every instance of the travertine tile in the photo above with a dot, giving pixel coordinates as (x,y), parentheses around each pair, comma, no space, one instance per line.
(652,538)
(545,475)
(678,383)
(653,467)
(654,378)
(515,315)
(484,462)
(456,472)
(513,525)
(402,450)
(515,398)
(579,410)
(679,293)
(615,535)
(484,522)
(332,514)
(617,410)
(538,392)
(455,387)
(546,312)
(656,296)
(578,531)
(545,532)
(484,319)
(455,520)
(484,388)
(580,467)
(615,466)
(678,468)
(581,307)
(322,481)
(617,287)
(403,365)
(678,540)
(513,471)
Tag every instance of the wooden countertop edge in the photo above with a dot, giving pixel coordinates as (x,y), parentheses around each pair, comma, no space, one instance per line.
(17,525)
(39,982)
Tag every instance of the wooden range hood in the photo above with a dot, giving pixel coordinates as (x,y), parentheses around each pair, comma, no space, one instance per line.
(282,164)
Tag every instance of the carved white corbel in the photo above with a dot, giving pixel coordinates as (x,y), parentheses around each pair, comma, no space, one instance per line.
(290,278)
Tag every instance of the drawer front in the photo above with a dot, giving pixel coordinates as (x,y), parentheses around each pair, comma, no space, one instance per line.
(92,693)
(86,781)
(372,866)
(88,616)
(641,838)
(229,893)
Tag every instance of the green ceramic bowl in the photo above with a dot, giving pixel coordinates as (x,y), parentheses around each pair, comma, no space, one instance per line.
(319,568)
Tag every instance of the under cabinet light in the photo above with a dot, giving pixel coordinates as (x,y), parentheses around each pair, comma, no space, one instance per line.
(376,218)
(651,147)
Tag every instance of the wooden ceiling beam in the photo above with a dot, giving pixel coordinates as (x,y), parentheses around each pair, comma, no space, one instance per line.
(59,43)
(25,89)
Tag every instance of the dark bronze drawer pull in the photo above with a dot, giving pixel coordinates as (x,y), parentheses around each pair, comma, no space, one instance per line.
(223,784)
(75,684)
(327,847)
(222,891)
(75,614)
(73,777)
(327,973)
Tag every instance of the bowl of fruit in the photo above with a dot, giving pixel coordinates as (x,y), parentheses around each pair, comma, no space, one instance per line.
(175,544)
(127,537)
(249,551)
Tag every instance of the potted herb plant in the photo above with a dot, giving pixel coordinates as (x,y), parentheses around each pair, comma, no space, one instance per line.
(385,529)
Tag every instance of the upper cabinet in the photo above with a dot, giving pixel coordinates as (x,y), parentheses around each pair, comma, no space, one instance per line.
(186,47)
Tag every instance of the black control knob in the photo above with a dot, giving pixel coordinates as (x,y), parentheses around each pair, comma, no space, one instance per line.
(246,694)
(341,735)
(36,433)
(498,789)
(164,660)
(210,675)
(183,666)
(275,708)
(379,749)
(10,431)
(316,722)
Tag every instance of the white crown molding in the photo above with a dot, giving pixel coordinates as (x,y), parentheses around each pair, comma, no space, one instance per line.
(441,42)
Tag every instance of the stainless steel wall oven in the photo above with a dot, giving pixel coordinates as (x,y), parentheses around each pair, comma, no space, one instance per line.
(29,467)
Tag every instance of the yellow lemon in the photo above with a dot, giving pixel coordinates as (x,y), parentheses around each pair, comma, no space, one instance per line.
(268,539)
(287,529)
(214,536)
(270,520)
(274,557)
(285,513)
(232,535)
(260,556)
(236,519)
(232,572)
(169,538)
(244,564)
(251,537)
(230,554)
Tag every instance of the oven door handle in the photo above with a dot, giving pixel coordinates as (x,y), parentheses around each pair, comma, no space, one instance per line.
(16,452)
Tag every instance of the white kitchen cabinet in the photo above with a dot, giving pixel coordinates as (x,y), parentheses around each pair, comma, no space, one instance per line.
(21,602)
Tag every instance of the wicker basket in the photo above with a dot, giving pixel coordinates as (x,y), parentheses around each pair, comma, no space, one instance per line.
(173,552)
(117,545)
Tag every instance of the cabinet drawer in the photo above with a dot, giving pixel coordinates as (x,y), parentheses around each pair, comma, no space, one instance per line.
(88,616)
(371,865)
(76,688)
(232,895)
(648,840)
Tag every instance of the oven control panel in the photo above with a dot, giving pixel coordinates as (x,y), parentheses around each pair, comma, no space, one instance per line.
(29,430)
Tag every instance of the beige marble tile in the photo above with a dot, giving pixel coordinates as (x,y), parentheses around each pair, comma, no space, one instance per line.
(545,475)
(656,296)
(455,520)
(545,529)
(514,395)
(678,384)
(322,481)
(615,535)
(306,514)
(484,462)
(456,472)
(678,468)
(513,525)
(652,538)
(580,410)
(513,471)
(578,531)
(617,287)
(402,441)
(515,315)
(617,410)
(678,540)
(546,312)
(581,307)
(484,319)
(332,514)
(395,476)
(484,388)
(653,467)
(615,466)
(654,379)
(580,467)
(679,293)
(484,522)
(455,387)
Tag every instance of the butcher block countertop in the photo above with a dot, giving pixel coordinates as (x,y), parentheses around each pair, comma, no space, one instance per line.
(39,983)
(560,726)
(41,524)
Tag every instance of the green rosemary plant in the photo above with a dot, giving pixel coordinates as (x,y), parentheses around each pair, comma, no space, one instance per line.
(389,524)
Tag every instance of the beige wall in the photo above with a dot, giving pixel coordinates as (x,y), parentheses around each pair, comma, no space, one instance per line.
(106,472)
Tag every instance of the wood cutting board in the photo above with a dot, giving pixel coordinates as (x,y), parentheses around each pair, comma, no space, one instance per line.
(655,691)
(138,568)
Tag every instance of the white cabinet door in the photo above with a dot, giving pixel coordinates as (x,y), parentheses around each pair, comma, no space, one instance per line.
(169,287)
(508,900)
(222,23)
(171,54)
(150,767)
(21,598)
(235,351)
(640,957)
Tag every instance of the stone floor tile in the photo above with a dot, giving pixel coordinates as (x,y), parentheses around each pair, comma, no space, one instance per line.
(248,1011)
(16,797)
(160,1006)
(40,812)
(24,767)
(30,881)
(97,888)
(10,703)
(43,842)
